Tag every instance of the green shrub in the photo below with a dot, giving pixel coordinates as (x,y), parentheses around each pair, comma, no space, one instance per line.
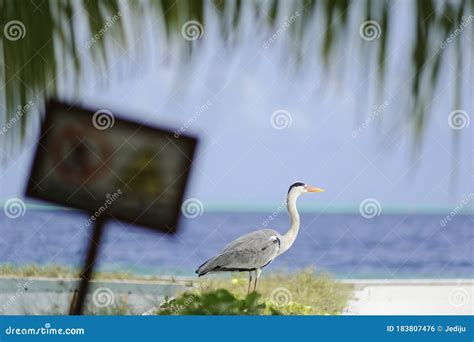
(218,302)
(222,302)
(305,292)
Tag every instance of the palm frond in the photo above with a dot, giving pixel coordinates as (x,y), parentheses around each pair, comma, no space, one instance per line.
(31,63)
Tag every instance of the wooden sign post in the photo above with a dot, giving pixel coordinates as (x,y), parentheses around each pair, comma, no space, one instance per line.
(111,168)
(77,305)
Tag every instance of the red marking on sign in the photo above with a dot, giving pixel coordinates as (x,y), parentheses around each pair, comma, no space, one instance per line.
(79,155)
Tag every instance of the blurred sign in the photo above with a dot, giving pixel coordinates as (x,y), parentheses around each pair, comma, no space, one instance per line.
(109,166)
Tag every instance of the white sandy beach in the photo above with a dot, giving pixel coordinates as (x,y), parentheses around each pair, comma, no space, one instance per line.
(412,297)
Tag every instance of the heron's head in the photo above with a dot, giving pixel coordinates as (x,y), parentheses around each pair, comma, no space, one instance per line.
(299,188)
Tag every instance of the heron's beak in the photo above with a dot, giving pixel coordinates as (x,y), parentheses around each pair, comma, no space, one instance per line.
(313,189)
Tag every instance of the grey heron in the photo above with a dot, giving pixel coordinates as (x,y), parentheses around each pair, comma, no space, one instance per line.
(254,251)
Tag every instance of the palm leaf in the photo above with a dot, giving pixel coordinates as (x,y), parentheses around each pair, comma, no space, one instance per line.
(31,66)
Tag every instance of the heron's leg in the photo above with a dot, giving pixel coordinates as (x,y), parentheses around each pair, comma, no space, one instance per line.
(257,275)
(250,281)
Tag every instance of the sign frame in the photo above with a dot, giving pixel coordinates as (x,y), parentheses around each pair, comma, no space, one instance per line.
(80,110)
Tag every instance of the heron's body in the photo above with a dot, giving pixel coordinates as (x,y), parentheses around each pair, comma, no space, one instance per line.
(247,253)
(254,251)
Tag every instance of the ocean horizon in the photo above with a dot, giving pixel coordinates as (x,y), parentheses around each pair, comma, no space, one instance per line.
(346,245)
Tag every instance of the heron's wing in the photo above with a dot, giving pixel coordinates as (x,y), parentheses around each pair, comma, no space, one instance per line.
(248,252)
(255,239)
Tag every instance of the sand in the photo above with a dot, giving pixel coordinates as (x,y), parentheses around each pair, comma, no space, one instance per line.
(412,297)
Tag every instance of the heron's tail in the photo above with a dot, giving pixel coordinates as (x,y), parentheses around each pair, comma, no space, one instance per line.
(207,267)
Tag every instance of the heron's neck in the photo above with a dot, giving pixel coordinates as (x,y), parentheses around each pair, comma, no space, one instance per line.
(290,236)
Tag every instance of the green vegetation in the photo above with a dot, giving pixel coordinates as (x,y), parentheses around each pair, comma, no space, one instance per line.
(218,302)
(303,293)
(56,271)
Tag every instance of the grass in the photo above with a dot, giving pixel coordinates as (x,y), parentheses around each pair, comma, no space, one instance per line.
(305,292)
(56,271)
